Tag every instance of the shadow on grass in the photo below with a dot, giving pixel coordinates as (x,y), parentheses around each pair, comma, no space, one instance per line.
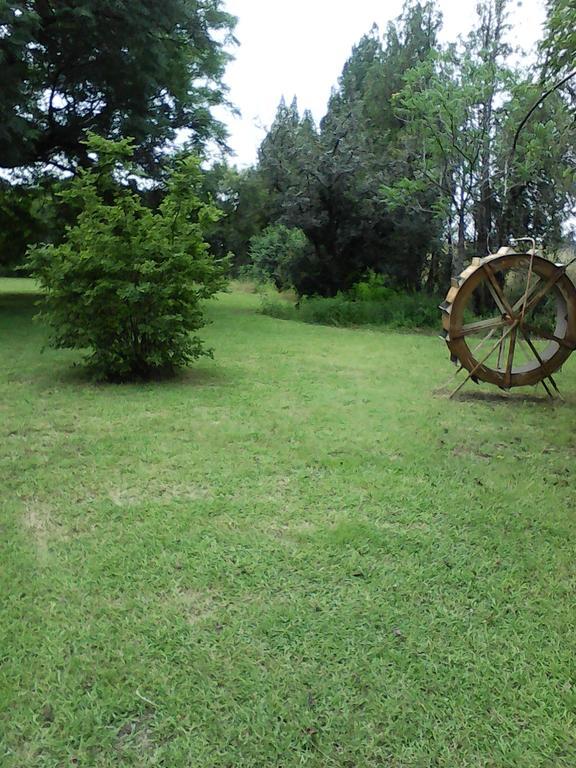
(20,305)
(504,398)
(77,375)
(19,299)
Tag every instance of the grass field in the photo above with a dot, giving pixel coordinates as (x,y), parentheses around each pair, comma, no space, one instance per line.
(292,555)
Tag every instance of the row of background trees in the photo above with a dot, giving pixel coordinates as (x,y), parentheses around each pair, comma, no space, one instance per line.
(415,167)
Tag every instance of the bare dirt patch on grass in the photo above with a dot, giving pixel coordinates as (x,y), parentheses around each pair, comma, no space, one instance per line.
(39,525)
(157,493)
(135,734)
(196,605)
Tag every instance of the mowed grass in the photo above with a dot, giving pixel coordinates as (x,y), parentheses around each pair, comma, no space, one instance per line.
(294,554)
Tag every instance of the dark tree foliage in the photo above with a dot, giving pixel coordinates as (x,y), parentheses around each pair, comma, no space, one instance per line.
(28,214)
(327,180)
(541,181)
(278,254)
(138,68)
(243,200)
(416,168)
(407,43)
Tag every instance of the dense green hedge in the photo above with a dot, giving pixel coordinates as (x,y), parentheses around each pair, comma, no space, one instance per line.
(393,309)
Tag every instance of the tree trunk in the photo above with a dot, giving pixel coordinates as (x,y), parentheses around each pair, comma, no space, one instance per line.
(491,32)
(459,254)
(484,217)
(432,277)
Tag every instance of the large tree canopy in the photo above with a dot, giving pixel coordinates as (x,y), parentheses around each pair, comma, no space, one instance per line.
(139,68)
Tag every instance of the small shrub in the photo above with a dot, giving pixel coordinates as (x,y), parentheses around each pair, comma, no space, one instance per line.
(127,282)
(276,254)
(277,307)
(372,288)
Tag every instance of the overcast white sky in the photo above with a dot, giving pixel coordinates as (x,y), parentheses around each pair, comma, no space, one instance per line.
(298,47)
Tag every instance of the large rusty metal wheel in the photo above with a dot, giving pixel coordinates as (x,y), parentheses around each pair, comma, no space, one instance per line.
(510,319)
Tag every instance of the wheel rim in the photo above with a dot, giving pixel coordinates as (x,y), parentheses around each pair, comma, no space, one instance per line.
(531,322)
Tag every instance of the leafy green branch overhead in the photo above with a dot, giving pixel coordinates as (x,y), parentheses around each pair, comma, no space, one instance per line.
(138,68)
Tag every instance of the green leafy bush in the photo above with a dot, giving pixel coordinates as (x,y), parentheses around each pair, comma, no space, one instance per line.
(369,302)
(276,254)
(127,282)
(372,288)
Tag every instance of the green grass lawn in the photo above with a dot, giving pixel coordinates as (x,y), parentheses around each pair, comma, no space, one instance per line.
(292,555)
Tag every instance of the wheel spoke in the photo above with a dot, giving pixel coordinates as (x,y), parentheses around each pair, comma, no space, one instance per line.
(518,304)
(526,292)
(531,345)
(511,350)
(501,351)
(524,346)
(486,356)
(539,295)
(544,334)
(480,325)
(483,341)
(496,297)
(542,363)
(497,292)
